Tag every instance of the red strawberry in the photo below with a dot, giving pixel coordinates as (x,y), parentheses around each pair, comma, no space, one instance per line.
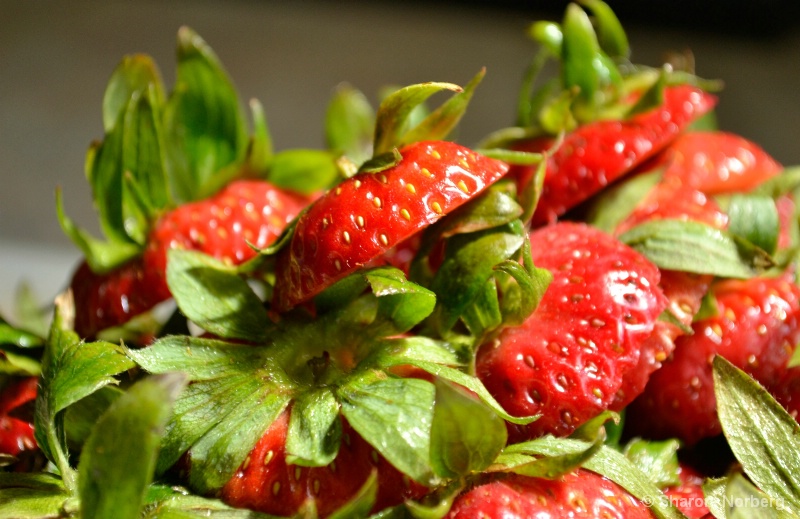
(787,391)
(717,162)
(370,213)
(689,497)
(598,153)
(16,434)
(579,494)
(570,359)
(756,328)
(244,213)
(266,483)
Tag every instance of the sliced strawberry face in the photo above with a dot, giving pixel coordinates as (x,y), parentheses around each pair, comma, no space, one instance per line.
(568,361)
(756,328)
(370,213)
(578,494)
(599,153)
(718,162)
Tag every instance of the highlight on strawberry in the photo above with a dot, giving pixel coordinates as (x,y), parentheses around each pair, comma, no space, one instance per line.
(590,313)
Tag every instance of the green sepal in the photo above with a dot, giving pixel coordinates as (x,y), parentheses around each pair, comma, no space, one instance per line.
(439,124)
(469,262)
(71,370)
(696,247)
(618,201)
(22,339)
(164,502)
(610,33)
(315,429)
(762,435)
(549,35)
(303,171)
(381,162)
(436,358)
(260,150)
(393,113)
(658,459)
(80,417)
(402,302)
(394,415)
(102,256)
(754,218)
(135,74)
(215,297)
(204,123)
(466,434)
(553,466)
(787,182)
(119,457)
(651,98)
(31,495)
(349,124)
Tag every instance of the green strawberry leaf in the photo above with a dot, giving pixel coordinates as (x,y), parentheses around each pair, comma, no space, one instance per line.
(381,162)
(402,302)
(304,171)
(615,203)
(135,74)
(102,256)
(15,364)
(744,501)
(714,495)
(658,459)
(494,207)
(394,415)
(31,495)
(170,503)
(552,467)
(440,123)
(762,435)
(755,219)
(71,370)
(579,52)
(485,313)
(395,109)
(349,124)
(470,261)
(610,33)
(695,247)
(436,358)
(314,429)
(787,182)
(466,434)
(213,296)
(118,459)
(204,122)
(260,151)
(606,461)
(80,417)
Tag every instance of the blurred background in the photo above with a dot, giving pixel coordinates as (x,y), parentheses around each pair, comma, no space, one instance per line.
(56,57)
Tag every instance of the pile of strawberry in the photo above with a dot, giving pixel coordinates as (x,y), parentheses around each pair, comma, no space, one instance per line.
(593,313)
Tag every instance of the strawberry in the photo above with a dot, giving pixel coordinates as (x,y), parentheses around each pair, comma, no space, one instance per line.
(243,215)
(267,483)
(688,496)
(717,162)
(597,154)
(787,391)
(16,434)
(369,213)
(580,493)
(569,360)
(756,328)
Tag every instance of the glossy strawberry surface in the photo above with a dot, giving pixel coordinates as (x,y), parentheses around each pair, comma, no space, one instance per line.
(570,358)
(368,214)
(598,153)
(579,494)
(16,434)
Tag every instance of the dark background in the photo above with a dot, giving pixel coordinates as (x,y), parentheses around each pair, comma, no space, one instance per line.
(56,56)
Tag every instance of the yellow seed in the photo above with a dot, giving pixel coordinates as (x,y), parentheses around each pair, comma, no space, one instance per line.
(360,221)
(268,457)
(405,214)
(374,456)
(426,172)
(462,186)
(463,163)
(376,202)
(383,178)
(338,265)
(435,154)
(436,208)
(276,487)
(411,189)
(357,184)
(297,473)
(384,239)
(246,462)
(325,223)
(338,191)
(346,237)
(316,487)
